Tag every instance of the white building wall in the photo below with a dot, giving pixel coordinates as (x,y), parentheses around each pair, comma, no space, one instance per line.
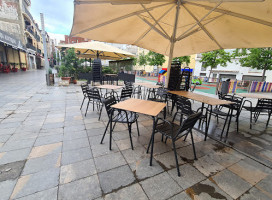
(233,68)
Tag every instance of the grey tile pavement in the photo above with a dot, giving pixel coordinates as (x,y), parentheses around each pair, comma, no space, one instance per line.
(50,150)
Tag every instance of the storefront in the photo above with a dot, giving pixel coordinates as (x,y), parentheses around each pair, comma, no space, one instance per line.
(12,52)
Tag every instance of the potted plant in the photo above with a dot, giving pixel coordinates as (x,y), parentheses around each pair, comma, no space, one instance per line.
(23,67)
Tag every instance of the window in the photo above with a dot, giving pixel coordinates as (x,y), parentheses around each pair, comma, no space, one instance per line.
(202,67)
(203,74)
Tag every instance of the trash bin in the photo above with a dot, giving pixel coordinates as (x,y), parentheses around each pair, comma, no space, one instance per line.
(225,87)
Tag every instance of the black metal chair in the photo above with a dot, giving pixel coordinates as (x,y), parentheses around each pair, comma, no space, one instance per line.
(137,92)
(227,111)
(126,93)
(119,116)
(95,98)
(174,132)
(84,88)
(262,106)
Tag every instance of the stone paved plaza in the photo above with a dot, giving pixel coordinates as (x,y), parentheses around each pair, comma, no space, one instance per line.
(50,150)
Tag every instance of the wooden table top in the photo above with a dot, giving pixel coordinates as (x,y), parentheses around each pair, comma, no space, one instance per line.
(201,98)
(151,108)
(255,95)
(109,87)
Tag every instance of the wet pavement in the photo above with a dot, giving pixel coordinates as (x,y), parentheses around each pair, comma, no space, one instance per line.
(50,150)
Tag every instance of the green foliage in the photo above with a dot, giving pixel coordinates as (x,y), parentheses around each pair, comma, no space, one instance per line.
(63,71)
(72,64)
(183,59)
(107,70)
(214,58)
(257,58)
(142,59)
(50,71)
(134,60)
(87,69)
(155,59)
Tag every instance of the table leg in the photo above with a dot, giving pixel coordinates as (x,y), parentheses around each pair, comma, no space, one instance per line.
(208,124)
(202,112)
(152,139)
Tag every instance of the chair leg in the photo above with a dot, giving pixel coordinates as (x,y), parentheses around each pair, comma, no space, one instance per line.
(129,130)
(105,132)
(269,115)
(176,157)
(100,112)
(82,102)
(137,127)
(250,120)
(110,131)
(193,144)
(87,108)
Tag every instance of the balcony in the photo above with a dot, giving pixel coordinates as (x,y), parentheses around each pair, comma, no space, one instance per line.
(30,30)
(39,51)
(30,46)
(37,38)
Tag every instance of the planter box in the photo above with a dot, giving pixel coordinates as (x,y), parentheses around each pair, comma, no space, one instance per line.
(66,79)
(50,80)
(64,83)
(81,82)
(24,69)
(14,69)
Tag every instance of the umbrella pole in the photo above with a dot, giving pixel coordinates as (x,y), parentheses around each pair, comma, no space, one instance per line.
(173,41)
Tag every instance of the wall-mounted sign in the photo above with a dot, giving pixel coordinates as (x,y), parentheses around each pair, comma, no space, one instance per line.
(10,40)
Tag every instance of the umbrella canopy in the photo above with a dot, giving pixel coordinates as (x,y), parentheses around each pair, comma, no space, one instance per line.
(176,27)
(97,49)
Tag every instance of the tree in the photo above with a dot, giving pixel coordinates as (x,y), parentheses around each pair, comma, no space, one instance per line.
(257,58)
(214,58)
(142,60)
(155,59)
(183,59)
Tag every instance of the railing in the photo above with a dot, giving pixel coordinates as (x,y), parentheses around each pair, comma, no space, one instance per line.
(37,37)
(30,46)
(29,29)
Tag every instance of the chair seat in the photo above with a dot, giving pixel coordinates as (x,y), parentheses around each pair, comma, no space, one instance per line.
(122,117)
(166,129)
(254,109)
(219,112)
(157,100)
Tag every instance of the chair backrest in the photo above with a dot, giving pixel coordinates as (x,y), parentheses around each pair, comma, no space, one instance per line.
(108,103)
(93,93)
(184,106)
(238,101)
(162,93)
(84,88)
(264,104)
(126,93)
(188,123)
(128,84)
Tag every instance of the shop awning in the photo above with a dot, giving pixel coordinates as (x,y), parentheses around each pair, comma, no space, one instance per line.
(162,71)
(10,40)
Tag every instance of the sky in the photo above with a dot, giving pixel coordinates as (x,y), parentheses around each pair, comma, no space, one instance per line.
(58,16)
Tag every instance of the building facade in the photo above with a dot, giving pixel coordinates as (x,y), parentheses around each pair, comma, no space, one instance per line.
(233,70)
(24,47)
(71,40)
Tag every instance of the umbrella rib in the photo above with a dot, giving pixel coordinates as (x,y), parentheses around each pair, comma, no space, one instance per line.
(199,20)
(149,29)
(196,30)
(154,28)
(121,18)
(155,20)
(241,16)
(203,27)
(118,55)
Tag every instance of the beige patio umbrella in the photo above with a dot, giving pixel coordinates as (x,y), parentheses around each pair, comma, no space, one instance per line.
(176,27)
(96,49)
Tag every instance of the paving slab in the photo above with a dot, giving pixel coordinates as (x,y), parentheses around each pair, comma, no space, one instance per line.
(265,186)
(255,193)
(167,160)
(87,188)
(44,150)
(76,155)
(133,192)
(11,170)
(77,171)
(50,139)
(233,185)
(37,182)
(188,176)
(6,188)
(206,190)
(38,164)
(180,196)
(110,161)
(50,194)
(75,144)
(160,187)
(13,156)
(116,178)
(143,170)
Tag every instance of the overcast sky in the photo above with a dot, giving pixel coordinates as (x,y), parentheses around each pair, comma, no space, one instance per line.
(58,15)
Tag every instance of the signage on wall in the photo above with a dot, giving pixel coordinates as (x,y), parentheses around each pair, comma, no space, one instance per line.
(8,39)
